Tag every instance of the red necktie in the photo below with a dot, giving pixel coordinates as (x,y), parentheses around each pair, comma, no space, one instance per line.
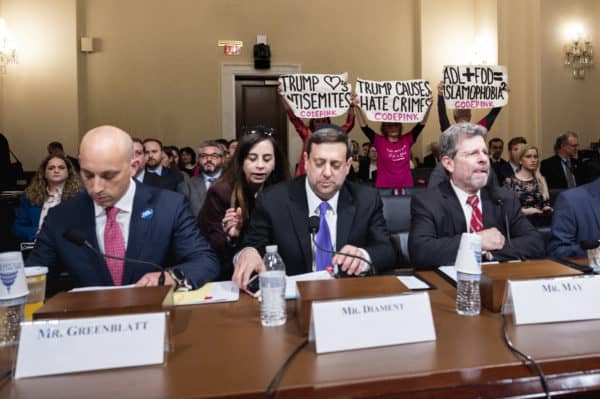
(476,217)
(114,245)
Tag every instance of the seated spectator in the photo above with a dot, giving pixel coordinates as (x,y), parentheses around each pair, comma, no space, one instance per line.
(576,218)
(350,217)
(561,170)
(393,151)
(187,162)
(367,170)
(224,216)
(440,215)
(433,158)
(366,146)
(231,147)
(505,170)
(54,181)
(305,131)
(156,174)
(56,147)
(530,187)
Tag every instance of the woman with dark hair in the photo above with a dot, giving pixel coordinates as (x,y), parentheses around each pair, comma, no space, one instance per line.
(258,162)
(187,161)
(54,181)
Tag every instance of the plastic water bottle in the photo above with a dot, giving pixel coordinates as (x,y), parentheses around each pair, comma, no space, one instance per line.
(468,299)
(272,289)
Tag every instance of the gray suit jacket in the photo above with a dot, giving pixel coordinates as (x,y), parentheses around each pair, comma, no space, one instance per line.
(194,191)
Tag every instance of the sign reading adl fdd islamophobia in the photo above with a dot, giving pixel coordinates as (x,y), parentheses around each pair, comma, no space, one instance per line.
(316,95)
(475,86)
(394,101)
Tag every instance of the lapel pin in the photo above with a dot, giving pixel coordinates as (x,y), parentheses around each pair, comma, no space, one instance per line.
(147,213)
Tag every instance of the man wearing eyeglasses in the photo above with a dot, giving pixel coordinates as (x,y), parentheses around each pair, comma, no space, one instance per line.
(561,170)
(210,159)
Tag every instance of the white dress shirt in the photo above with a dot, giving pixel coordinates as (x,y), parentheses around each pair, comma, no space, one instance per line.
(157,171)
(140,176)
(125,205)
(206,182)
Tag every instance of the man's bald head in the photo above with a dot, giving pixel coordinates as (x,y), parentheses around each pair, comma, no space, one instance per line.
(105,157)
(107,138)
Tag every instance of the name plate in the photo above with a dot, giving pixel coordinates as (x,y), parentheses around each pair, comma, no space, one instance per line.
(72,345)
(339,325)
(553,299)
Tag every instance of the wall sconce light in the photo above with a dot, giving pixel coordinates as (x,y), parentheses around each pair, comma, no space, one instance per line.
(578,54)
(8,48)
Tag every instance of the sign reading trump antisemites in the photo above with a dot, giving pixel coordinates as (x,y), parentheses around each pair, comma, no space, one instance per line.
(475,86)
(316,95)
(394,101)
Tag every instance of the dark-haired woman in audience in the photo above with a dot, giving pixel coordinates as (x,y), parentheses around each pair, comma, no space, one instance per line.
(531,188)
(367,170)
(305,131)
(54,181)
(393,151)
(229,202)
(187,162)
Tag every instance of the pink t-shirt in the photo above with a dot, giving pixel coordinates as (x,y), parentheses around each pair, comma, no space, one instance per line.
(393,161)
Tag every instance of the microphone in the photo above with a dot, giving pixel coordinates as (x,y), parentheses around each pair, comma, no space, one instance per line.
(313,226)
(500,202)
(76,237)
(589,244)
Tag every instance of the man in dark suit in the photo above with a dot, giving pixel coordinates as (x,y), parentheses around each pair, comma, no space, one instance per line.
(210,157)
(561,170)
(121,217)
(432,159)
(157,175)
(576,218)
(440,215)
(350,215)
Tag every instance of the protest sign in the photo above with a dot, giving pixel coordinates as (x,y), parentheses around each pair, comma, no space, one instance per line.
(475,86)
(316,95)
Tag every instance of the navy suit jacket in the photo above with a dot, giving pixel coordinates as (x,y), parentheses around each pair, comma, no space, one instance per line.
(576,218)
(438,221)
(166,235)
(27,220)
(169,179)
(280,217)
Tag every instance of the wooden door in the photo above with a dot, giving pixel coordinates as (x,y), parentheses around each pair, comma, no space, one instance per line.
(257,103)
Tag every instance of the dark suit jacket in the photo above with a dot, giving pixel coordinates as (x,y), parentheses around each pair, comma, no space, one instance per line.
(429,161)
(168,236)
(576,218)
(27,220)
(281,218)
(194,190)
(503,170)
(169,179)
(363,170)
(551,168)
(438,221)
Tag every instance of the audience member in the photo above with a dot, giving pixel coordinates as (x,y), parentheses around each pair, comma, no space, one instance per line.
(393,151)
(56,147)
(54,181)
(496,146)
(156,174)
(187,162)
(210,158)
(225,215)
(506,170)
(231,147)
(367,171)
(139,156)
(314,124)
(121,217)
(531,188)
(366,146)
(561,169)
(433,158)
(576,218)
(440,215)
(351,216)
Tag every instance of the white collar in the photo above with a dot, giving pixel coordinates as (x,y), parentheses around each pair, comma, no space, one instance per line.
(314,201)
(158,170)
(463,195)
(125,203)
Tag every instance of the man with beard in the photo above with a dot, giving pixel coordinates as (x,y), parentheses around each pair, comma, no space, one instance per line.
(441,214)
(156,174)
(210,158)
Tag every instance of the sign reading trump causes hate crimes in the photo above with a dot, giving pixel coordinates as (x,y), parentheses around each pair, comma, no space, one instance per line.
(475,86)
(316,95)
(394,101)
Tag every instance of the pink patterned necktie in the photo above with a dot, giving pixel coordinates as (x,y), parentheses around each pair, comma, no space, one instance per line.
(114,245)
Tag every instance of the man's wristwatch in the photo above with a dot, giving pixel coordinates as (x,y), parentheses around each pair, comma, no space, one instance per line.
(182,283)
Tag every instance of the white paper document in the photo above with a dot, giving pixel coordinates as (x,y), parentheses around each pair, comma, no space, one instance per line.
(291,291)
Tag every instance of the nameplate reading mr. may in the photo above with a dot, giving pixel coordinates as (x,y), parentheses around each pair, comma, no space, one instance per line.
(554,300)
(370,322)
(73,345)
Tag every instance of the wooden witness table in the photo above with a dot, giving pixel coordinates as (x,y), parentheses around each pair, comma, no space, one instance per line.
(221,350)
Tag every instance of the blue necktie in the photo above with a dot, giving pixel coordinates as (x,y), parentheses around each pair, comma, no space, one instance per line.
(323,259)
(211,180)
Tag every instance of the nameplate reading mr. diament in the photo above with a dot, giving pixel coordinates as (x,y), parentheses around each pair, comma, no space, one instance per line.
(554,299)
(368,322)
(71,345)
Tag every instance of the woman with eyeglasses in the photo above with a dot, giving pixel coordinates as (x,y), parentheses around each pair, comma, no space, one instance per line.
(54,182)
(305,131)
(258,162)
